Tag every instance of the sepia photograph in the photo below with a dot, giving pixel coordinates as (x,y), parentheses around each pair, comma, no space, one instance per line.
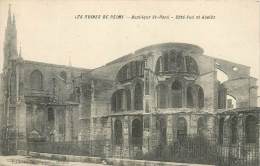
(124,83)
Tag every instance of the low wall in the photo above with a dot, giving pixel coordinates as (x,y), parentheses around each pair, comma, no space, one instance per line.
(112,161)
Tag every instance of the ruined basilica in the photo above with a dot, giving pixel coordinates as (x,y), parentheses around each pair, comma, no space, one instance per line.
(156,95)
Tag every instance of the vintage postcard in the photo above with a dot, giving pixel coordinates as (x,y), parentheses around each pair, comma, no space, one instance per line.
(124,83)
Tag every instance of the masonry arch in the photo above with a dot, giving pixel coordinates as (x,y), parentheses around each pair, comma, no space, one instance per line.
(36,80)
(201,127)
(231,102)
(221,75)
(118,132)
(117,100)
(162,95)
(137,132)
(176,94)
(190,98)
(200,97)
(191,65)
(181,128)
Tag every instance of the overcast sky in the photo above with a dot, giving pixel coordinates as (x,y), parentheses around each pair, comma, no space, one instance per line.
(48,31)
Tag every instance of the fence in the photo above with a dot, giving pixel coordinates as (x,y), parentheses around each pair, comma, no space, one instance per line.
(206,151)
(187,150)
(238,155)
(86,148)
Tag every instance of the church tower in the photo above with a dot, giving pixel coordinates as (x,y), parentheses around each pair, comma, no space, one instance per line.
(9,85)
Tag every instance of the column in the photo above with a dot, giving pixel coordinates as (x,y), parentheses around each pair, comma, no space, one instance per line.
(68,126)
(146,133)
(108,138)
(21,140)
(126,149)
(169,123)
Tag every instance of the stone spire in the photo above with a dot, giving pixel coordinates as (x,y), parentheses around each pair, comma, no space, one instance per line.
(10,42)
(9,19)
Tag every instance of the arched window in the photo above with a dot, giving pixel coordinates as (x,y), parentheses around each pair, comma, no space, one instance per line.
(231,102)
(138,98)
(221,76)
(137,132)
(170,62)
(36,80)
(180,62)
(191,65)
(233,127)
(63,75)
(117,101)
(176,94)
(221,131)
(130,70)
(128,99)
(200,98)
(190,102)
(118,132)
(250,129)
(181,128)
(201,128)
(162,96)
(163,131)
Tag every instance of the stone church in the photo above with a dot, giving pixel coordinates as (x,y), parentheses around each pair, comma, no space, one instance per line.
(156,95)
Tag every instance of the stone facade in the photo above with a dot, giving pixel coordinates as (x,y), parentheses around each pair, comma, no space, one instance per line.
(154,96)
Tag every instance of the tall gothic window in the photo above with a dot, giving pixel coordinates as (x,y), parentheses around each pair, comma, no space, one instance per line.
(191,65)
(131,70)
(118,132)
(200,98)
(162,96)
(117,101)
(201,129)
(36,80)
(190,102)
(181,128)
(137,132)
(250,129)
(176,94)
(128,99)
(138,97)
